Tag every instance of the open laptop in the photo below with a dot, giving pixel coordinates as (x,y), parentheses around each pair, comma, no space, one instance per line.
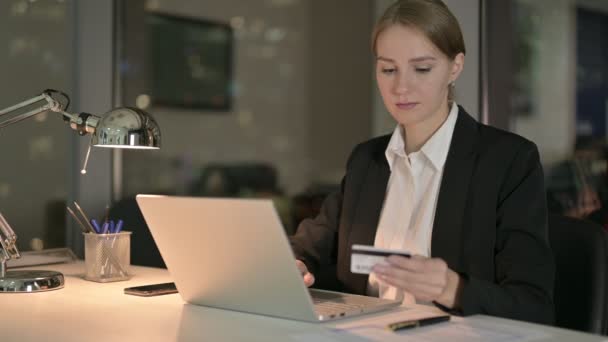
(234,254)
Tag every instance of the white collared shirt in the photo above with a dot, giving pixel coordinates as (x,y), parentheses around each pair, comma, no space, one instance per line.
(408,213)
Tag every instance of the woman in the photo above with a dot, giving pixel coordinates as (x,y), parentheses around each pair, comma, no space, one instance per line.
(467,199)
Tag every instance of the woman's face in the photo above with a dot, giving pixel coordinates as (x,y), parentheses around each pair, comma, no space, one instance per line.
(413,75)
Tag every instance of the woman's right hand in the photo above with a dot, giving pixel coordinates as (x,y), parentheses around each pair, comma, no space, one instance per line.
(309,279)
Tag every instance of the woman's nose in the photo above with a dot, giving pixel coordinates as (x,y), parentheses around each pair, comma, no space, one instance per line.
(402,85)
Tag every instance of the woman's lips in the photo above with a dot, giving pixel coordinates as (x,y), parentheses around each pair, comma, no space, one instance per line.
(406,105)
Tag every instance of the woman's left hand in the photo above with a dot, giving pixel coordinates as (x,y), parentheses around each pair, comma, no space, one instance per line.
(427,279)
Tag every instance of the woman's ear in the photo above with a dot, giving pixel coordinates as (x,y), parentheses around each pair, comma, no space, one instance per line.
(457,66)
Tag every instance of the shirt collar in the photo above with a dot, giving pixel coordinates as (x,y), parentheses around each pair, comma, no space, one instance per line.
(435,149)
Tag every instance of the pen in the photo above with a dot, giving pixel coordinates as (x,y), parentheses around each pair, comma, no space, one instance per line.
(415,323)
(104,228)
(86,219)
(118,226)
(82,226)
(96,226)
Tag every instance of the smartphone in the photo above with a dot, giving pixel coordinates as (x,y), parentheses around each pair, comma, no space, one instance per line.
(152,290)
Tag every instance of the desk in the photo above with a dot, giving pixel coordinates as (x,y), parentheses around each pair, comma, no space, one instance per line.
(89,311)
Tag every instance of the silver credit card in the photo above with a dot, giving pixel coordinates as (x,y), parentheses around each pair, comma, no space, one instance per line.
(363,258)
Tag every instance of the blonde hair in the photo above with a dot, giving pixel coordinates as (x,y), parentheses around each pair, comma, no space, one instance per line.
(432,18)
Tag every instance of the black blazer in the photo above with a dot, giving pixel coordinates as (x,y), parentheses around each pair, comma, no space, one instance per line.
(490,222)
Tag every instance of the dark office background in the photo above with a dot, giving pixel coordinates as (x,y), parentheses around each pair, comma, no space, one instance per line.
(302,94)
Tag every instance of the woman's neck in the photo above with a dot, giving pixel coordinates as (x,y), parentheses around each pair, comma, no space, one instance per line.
(417,134)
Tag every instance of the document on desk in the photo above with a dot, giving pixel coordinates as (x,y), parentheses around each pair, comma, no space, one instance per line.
(470,329)
(43,257)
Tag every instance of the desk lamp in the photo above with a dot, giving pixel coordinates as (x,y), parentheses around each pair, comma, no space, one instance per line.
(119,128)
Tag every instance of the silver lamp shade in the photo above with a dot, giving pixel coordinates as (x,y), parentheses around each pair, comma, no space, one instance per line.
(127,127)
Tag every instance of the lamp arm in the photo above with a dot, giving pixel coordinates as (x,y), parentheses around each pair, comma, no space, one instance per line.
(8,242)
(8,238)
(83,123)
(22,104)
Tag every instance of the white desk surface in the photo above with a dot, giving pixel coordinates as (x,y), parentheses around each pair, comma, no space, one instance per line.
(90,311)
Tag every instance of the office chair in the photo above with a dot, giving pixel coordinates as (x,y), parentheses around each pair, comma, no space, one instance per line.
(580,249)
(144,251)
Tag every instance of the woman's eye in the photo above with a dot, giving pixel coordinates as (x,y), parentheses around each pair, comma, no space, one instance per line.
(423,70)
(388,71)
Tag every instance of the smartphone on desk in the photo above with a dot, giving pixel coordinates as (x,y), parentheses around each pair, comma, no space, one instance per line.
(152,290)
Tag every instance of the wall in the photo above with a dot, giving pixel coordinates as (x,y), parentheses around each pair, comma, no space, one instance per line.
(552,45)
(35,54)
(467,87)
(340,103)
(551,125)
(292,96)
(93,76)
(267,122)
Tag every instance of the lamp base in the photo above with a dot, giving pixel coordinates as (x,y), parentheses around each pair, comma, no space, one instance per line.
(31,281)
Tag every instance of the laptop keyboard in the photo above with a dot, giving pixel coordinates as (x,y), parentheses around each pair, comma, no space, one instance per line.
(329,308)
(328,304)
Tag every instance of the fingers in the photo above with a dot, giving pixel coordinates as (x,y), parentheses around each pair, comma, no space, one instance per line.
(425,278)
(309,278)
(417,263)
(423,292)
(302,267)
(408,277)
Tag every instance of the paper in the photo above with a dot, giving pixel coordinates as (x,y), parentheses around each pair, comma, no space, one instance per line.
(449,331)
(458,329)
(327,336)
(44,257)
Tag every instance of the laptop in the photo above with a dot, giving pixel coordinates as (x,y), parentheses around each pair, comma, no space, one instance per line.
(234,254)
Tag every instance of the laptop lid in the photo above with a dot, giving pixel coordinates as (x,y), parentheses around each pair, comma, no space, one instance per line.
(228,253)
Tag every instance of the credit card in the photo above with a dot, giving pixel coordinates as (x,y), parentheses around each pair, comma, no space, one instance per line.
(363,258)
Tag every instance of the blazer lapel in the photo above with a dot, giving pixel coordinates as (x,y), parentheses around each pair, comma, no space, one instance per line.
(447,227)
(368,208)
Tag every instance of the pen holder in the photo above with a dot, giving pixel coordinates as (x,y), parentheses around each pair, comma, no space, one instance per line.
(107,256)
